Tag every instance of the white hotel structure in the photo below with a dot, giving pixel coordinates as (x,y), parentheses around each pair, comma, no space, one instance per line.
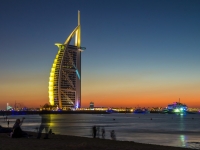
(65,75)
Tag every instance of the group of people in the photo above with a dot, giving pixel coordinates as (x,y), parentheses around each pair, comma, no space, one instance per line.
(96,133)
(17,132)
(45,124)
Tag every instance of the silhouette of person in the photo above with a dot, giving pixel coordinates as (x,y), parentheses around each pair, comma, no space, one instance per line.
(8,123)
(45,124)
(98,130)
(50,131)
(112,135)
(94,129)
(103,133)
(17,131)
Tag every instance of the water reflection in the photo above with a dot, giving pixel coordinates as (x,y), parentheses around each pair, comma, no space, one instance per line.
(182,123)
(183,140)
(175,130)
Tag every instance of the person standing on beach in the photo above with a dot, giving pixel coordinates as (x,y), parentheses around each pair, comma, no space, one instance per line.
(45,124)
(112,135)
(103,133)
(8,123)
(98,130)
(94,131)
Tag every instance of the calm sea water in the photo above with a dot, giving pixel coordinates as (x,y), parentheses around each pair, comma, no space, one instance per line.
(160,129)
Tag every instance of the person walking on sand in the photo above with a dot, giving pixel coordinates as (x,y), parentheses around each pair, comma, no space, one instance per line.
(45,124)
(94,131)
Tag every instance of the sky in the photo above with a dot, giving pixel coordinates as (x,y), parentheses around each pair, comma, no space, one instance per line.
(139,53)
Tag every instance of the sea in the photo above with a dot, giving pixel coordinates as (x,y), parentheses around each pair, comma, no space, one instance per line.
(160,129)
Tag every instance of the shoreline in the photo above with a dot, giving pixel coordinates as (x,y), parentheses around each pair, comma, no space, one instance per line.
(62,142)
(4,113)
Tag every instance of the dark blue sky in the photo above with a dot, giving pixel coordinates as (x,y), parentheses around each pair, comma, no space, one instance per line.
(133,48)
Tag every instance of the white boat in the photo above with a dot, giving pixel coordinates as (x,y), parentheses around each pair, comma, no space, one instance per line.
(176,107)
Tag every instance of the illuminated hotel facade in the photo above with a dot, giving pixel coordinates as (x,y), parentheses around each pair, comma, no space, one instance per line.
(65,75)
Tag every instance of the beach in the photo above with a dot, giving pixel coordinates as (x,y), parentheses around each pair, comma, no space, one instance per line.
(166,130)
(63,142)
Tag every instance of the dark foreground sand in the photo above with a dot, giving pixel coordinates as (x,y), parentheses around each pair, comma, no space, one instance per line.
(64,142)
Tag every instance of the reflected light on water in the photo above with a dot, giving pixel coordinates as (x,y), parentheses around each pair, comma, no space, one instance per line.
(175,130)
(183,139)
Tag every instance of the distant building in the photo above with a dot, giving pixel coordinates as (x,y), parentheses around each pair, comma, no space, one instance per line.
(91,105)
(8,107)
(65,75)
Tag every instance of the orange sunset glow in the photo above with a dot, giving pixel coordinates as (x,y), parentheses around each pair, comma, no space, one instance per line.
(135,53)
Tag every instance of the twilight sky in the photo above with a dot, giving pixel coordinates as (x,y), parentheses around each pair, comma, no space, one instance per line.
(139,52)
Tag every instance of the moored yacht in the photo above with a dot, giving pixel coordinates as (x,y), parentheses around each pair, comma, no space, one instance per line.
(176,107)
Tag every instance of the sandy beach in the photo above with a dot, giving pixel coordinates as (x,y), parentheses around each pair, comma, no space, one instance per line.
(63,142)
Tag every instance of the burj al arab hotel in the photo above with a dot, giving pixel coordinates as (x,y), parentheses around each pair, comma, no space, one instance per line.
(65,75)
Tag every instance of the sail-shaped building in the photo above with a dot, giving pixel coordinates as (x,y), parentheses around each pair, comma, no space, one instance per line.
(65,75)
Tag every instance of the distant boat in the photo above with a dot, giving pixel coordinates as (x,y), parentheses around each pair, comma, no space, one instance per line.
(141,111)
(176,107)
(111,111)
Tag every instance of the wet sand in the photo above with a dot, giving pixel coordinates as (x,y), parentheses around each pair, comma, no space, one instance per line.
(63,142)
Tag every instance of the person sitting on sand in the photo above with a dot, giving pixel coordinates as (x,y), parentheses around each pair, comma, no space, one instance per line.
(50,131)
(17,131)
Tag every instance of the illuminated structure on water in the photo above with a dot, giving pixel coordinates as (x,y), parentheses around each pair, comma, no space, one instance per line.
(65,75)
(177,107)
